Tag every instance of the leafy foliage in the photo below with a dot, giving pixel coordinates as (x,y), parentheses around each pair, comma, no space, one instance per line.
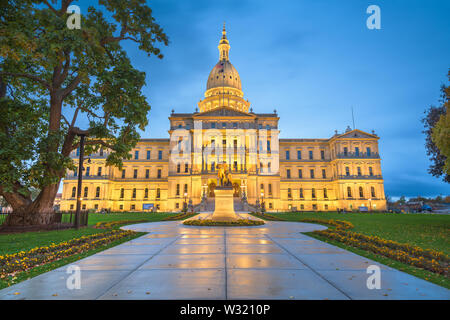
(437,155)
(48,72)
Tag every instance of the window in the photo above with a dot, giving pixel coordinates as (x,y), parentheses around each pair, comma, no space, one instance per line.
(71,207)
(160,154)
(349,192)
(270,205)
(213,166)
(224,125)
(288,173)
(370,171)
(324,173)
(311,172)
(75,172)
(213,125)
(178,168)
(361,192)
(159,173)
(313,193)
(287,155)
(147,173)
(262,187)
(96,206)
(121,207)
(357,151)
(325,207)
(146,193)
(299,154)
(347,171)
(149,153)
(134,193)
(345,151)
(178,190)
(123,174)
(78,151)
(269,189)
(372,192)
(84,207)
(88,170)
(314,206)
(101,152)
(85,192)
(136,155)
(74,191)
(186,167)
(368,151)
(268,146)
(235,165)
(302,207)
(185,191)
(158,193)
(97,192)
(132,207)
(99,171)
(359,171)
(322,154)
(122,193)
(300,192)
(260,126)
(268,167)
(300,173)
(177,205)
(325,193)
(289,193)
(135,172)
(235,125)
(310,154)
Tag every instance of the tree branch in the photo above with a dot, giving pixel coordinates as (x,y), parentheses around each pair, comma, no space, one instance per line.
(29,76)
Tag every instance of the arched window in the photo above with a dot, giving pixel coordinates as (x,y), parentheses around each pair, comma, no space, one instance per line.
(97,192)
(361,192)
(74,191)
(85,192)
(372,191)
(349,192)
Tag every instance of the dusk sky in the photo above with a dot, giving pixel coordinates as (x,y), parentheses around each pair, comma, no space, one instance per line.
(312,61)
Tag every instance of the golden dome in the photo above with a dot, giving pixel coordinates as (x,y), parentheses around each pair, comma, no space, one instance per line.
(224,74)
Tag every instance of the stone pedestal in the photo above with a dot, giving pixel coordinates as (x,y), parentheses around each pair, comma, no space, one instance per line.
(224,205)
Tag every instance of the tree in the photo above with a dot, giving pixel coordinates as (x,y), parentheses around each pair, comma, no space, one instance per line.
(48,71)
(441,131)
(437,144)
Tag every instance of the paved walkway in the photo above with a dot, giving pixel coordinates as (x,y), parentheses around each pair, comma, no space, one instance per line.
(274,261)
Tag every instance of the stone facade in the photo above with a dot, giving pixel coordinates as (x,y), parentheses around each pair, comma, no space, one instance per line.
(342,172)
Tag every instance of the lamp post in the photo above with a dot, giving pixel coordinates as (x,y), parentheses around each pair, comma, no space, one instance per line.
(370,204)
(185,203)
(262,202)
(80,181)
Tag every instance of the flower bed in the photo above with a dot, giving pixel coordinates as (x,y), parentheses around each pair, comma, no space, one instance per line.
(237,223)
(179,216)
(340,224)
(112,224)
(431,260)
(11,264)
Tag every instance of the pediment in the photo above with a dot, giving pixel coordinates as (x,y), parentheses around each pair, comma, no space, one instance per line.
(356,133)
(224,112)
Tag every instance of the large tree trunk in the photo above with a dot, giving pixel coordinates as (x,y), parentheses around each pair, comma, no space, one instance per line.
(38,212)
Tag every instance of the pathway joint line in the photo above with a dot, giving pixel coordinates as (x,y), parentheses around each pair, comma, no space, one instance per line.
(309,267)
(137,267)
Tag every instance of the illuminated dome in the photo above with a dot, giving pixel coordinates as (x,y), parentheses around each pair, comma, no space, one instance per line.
(224,74)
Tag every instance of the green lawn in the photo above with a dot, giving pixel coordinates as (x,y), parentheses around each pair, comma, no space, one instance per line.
(429,231)
(11,243)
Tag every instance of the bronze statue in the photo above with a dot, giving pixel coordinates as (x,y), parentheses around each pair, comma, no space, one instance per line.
(224,175)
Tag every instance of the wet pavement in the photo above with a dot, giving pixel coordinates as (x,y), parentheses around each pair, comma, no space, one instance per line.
(273,261)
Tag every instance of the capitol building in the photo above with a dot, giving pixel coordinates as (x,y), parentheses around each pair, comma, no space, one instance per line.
(295,174)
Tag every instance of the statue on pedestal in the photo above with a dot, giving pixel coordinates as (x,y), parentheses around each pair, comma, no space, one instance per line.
(224,174)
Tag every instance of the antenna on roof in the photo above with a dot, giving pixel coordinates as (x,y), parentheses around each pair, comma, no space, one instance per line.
(353,119)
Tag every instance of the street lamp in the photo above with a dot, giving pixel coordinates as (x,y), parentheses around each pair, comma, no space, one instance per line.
(80,181)
(370,204)
(262,202)
(185,203)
